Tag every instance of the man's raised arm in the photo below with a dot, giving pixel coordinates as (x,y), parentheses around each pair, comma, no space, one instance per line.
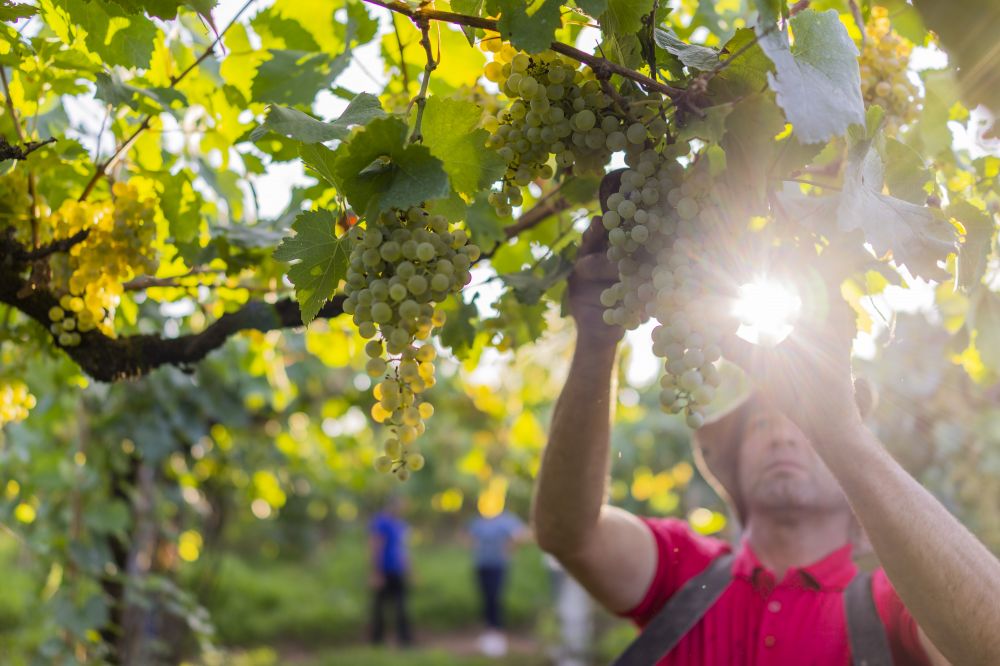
(608,550)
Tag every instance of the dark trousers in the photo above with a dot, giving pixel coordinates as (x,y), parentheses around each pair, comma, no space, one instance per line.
(392,592)
(491,588)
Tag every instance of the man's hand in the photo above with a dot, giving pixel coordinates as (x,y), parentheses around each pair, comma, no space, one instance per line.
(592,274)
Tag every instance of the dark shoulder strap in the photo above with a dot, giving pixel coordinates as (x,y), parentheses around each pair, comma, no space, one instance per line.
(869,645)
(679,615)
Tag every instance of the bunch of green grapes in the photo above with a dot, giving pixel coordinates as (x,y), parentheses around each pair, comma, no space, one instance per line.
(640,226)
(15,204)
(401,265)
(118,247)
(884,62)
(660,227)
(556,109)
(15,401)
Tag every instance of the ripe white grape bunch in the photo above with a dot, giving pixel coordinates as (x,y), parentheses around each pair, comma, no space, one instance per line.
(556,110)
(660,223)
(401,265)
(884,62)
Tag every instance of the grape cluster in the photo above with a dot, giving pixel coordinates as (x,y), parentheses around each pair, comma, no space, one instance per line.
(118,247)
(401,266)
(556,109)
(660,223)
(15,401)
(884,62)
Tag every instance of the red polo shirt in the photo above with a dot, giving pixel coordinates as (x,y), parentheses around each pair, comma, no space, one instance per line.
(759,621)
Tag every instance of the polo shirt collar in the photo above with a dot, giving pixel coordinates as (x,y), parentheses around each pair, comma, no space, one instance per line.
(834,571)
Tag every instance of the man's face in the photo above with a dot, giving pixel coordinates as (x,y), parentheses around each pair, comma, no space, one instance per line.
(779,469)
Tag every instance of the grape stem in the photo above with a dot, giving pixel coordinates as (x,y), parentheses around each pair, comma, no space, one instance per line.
(596,62)
(421,99)
(102,167)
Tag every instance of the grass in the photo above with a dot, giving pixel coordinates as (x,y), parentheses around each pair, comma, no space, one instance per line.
(359,656)
(324,599)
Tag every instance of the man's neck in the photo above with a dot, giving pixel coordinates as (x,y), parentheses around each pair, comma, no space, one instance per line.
(790,539)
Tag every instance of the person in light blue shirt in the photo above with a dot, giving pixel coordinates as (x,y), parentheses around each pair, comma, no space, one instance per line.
(493,540)
(390,566)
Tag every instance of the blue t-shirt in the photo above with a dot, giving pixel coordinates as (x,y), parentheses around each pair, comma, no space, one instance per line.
(392,530)
(491,537)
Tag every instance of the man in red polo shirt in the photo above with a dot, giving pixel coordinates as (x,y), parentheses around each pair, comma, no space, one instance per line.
(808,480)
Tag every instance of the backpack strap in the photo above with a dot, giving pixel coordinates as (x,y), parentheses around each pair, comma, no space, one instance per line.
(869,645)
(679,614)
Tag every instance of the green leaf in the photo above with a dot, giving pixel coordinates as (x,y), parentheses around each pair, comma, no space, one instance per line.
(906,175)
(746,68)
(710,128)
(974,251)
(529,25)
(117,37)
(294,77)
(414,176)
(770,11)
(692,55)
(469,8)
(817,81)
(320,159)
(450,132)
(303,127)
(319,260)
(984,319)
(624,16)
(940,93)
(914,235)
(11,11)
(749,143)
(593,7)
(458,332)
(529,285)
(485,226)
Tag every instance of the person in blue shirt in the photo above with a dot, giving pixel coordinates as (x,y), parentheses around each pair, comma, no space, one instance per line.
(390,569)
(493,539)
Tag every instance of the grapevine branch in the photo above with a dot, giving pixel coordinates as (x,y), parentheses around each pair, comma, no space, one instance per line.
(421,98)
(102,167)
(110,359)
(424,13)
(10,151)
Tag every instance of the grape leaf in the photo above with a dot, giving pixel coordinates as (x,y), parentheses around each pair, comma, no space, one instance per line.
(770,10)
(984,318)
(294,77)
(528,285)
(469,8)
(485,226)
(320,159)
(10,11)
(458,332)
(975,248)
(303,127)
(905,172)
(914,235)
(624,16)
(319,260)
(940,93)
(817,81)
(593,7)
(531,25)
(450,132)
(412,174)
(692,55)
(747,71)
(117,37)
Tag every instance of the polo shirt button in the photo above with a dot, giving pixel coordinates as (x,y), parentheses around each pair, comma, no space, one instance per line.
(774,606)
(769,641)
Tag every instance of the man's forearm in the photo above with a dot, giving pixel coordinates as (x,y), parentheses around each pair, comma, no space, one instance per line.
(571,483)
(946,578)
